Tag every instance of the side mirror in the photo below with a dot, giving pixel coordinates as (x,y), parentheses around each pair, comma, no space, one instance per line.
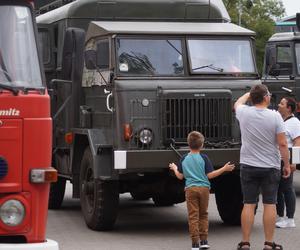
(90,58)
(103,54)
(298,21)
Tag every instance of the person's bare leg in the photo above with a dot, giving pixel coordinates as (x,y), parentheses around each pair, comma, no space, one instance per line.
(247,220)
(269,219)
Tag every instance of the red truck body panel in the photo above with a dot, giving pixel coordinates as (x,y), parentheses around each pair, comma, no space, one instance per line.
(26,143)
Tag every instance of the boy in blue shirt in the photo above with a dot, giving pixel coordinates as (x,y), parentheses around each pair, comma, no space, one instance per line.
(197,169)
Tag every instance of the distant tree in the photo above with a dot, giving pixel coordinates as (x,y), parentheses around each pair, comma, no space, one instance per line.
(259,16)
(40,3)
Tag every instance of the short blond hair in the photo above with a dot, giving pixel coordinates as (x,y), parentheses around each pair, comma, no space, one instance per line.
(195,140)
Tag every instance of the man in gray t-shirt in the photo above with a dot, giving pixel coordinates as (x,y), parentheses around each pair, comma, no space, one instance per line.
(259,129)
(263,146)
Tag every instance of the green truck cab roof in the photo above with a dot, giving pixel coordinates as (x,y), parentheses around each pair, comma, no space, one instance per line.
(284,36)
(102,28)
(147,10)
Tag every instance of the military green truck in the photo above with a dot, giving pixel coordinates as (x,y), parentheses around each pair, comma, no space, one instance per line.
(281,71)
(129,80)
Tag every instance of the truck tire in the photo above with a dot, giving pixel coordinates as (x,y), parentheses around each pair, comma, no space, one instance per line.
(229,198)
(57,193)
(163,201)
(99,199)
(170,193)
(138,196)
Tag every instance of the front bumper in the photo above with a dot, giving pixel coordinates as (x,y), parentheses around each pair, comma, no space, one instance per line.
(153,159)
(48,245)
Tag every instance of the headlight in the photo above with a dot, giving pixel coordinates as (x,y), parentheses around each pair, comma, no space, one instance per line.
(146,136)
(12,212)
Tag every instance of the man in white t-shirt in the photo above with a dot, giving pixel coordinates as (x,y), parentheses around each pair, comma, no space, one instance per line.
(286,192)
(263,146)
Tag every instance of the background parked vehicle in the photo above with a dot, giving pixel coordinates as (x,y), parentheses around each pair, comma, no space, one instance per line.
(281,71)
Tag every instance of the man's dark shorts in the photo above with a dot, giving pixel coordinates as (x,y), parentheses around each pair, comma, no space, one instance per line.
(255,180)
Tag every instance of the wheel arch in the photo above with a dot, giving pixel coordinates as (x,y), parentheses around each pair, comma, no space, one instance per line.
(100,144)
(79,145)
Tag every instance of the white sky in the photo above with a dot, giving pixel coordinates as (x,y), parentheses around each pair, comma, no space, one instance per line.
(291,6)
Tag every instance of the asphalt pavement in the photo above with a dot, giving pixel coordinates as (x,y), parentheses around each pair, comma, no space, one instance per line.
(142,226)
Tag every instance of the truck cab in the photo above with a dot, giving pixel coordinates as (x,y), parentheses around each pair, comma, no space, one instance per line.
(281,71)
(128,87)
(25,133)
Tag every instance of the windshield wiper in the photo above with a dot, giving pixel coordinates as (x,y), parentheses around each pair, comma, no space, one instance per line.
(14,90)
(173,46)
(211,66)
(41,90)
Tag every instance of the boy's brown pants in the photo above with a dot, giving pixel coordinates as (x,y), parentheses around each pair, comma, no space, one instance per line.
(197,204)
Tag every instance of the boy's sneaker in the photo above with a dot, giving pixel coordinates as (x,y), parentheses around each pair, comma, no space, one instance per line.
(195,246)
(286,223)
(204,244)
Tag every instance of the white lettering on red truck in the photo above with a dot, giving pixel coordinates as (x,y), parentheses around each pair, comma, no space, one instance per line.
(9,112)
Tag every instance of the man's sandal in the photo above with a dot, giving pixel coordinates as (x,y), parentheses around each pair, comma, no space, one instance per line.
(273,245)
(243,245)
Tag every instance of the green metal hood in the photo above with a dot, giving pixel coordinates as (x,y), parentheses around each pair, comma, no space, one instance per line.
(285,36)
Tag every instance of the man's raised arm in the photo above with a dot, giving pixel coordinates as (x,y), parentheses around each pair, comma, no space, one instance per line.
(242,100)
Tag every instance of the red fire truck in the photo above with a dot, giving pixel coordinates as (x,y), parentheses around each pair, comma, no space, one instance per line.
(25,133)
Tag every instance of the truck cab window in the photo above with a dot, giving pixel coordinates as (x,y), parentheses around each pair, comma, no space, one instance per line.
(284,59)
(44,45)
(149,57)
(19,64)
(209,56)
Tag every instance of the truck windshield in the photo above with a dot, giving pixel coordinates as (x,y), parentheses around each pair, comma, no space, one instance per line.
(149,57)
(19,64)
(297,48)
(209,56)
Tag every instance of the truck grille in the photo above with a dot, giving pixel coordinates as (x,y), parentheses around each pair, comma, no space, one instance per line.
(3,167)
(210,115)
